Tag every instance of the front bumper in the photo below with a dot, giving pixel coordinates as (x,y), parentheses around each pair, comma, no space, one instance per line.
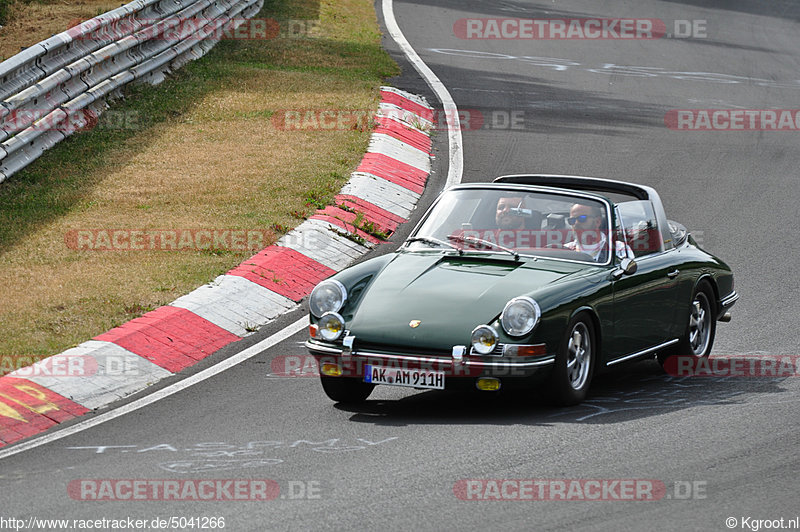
(353,362)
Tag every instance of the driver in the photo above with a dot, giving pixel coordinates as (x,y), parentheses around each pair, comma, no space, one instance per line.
(508,213)
(590,234)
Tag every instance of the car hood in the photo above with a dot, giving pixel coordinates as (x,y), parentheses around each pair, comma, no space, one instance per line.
(449,295)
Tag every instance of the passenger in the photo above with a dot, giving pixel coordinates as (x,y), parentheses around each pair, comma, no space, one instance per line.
(590,233)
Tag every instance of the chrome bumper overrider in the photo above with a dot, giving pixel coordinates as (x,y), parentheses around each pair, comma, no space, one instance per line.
(728,301)
(501,363)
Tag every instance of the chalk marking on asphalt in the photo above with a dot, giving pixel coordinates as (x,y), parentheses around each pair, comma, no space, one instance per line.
(228,363)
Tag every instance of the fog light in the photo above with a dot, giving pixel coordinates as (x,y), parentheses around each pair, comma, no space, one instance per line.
(331,370)
(484,339)
(331,326)
(488,384)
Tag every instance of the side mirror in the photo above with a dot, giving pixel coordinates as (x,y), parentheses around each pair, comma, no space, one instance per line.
(626,267)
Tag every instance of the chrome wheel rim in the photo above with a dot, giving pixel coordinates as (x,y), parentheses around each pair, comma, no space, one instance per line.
(579,356)
(699,325)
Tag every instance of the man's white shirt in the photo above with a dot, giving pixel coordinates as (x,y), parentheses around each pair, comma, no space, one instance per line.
(594,250)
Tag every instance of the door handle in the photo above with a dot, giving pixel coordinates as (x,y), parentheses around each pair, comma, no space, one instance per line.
(673,274)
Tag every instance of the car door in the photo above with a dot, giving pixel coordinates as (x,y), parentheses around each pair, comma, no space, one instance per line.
(644,302)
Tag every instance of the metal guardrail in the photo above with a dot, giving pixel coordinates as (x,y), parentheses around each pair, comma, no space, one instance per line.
(46,89)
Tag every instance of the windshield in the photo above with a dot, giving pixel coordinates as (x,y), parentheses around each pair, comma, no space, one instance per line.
(515,222)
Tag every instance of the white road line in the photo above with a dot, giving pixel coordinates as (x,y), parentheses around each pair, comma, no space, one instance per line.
(456,151)
(228,363)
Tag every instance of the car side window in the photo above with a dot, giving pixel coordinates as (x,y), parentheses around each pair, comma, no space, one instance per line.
(638,228)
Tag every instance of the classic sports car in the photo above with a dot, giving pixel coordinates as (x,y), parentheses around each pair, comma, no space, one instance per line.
(538,280)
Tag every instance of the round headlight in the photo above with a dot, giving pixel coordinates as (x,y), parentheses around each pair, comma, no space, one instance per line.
(520,316)
(327,296)
(331,326)
(484,339)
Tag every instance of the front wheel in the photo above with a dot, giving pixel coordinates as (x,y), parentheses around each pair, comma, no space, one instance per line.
(346,389)
(574,364)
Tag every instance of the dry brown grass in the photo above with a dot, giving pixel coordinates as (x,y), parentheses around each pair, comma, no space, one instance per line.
(32,22)
(216,163)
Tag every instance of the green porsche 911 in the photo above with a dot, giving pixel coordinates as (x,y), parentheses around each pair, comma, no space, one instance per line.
(533,280)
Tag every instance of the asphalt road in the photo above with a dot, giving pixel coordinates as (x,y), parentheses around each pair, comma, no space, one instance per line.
(717,448)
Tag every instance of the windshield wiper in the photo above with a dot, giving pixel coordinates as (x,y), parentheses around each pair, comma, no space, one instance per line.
(475,240)
(431,240)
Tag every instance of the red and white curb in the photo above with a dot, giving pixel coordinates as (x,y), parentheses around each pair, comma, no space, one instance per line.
(383,191)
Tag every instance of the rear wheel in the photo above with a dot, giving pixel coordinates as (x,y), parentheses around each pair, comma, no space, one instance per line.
(346,389)
(575,361)
(701,326)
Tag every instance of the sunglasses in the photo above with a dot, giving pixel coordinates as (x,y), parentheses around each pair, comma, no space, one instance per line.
(572,220)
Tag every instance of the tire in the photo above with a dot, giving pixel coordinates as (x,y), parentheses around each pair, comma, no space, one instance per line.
(701,326)
(346,389)
(575,361)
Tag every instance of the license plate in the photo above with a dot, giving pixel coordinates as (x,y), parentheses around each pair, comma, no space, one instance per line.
(414,378)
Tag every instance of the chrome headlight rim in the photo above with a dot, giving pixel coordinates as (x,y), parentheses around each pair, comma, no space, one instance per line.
(533,307)
(321,324)
(477,346)
(315,294)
